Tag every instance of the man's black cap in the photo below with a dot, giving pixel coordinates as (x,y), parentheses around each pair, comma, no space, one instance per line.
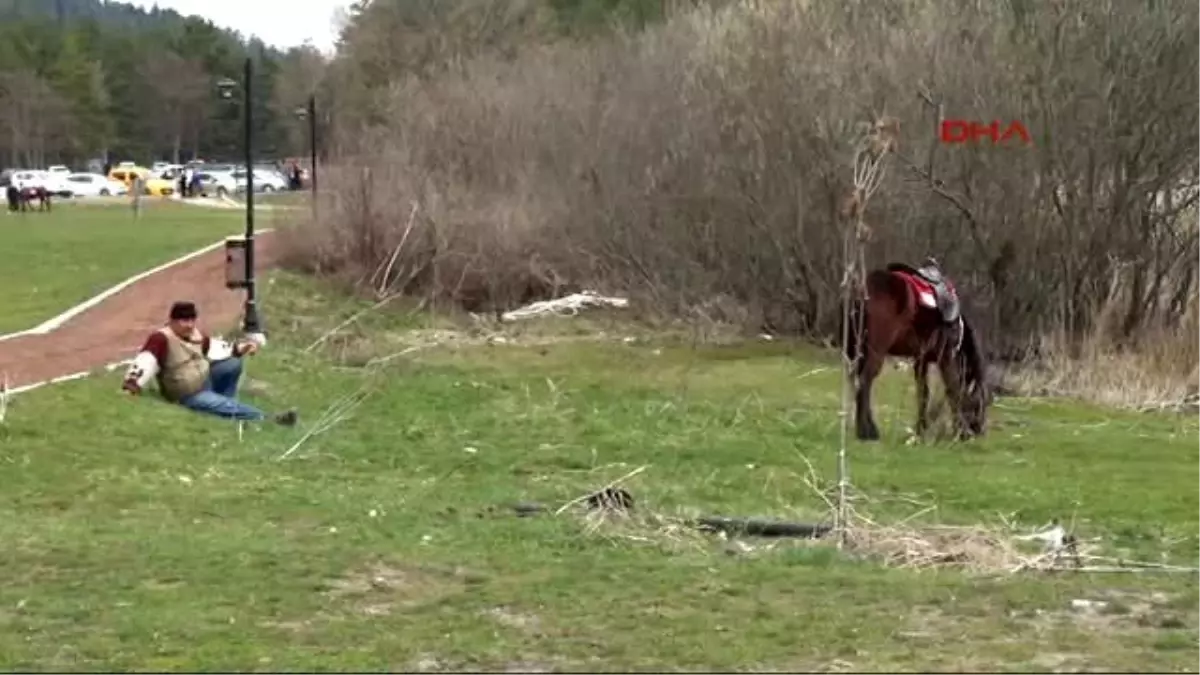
(181,311)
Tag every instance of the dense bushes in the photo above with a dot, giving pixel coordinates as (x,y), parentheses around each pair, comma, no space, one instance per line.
(698,164)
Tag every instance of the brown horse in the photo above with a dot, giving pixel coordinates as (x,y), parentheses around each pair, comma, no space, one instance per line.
(27,195)
(914,313)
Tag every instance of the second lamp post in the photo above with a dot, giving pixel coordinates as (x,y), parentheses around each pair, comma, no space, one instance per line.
(309,113)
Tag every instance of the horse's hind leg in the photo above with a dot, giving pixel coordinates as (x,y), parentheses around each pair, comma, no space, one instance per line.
(869,366)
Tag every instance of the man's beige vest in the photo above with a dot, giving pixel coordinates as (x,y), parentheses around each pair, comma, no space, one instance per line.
(185,369)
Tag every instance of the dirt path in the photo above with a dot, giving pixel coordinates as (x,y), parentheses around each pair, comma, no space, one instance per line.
(114,329)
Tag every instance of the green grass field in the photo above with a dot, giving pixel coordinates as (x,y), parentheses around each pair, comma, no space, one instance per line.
(298,199)
(139,536)
(56,260)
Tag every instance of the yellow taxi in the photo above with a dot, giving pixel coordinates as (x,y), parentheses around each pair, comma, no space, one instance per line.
(156,185)
(125,172)
(164,184)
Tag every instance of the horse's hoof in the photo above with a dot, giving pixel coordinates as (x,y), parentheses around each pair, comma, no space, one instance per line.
(868,434)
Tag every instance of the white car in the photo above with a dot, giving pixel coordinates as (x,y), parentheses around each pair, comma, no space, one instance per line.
(33,178)
(218,183)
(94,185)
(264,180)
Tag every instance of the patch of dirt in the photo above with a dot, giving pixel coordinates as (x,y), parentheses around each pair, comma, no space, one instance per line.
(161,584)
(114,329)
(1104,613)
(1061,662)
(508,617)
(381,589)
(289,626)
(430,663)
(1118,611)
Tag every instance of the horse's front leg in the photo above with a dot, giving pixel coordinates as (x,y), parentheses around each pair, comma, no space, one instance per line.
(921,375)
(870,365)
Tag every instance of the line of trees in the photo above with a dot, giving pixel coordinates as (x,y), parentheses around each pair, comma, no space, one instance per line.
(110,81)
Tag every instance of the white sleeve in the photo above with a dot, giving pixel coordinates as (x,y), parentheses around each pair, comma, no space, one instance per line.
(219,349)
(143,368)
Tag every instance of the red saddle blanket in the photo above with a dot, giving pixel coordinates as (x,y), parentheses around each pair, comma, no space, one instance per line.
(924,291)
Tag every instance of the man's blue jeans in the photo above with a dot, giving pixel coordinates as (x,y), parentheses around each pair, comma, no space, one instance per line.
(217,396)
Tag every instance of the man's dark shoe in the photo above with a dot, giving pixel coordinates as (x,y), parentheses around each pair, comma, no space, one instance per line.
(287,419)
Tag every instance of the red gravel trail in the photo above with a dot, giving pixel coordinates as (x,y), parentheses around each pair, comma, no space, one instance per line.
(114,329)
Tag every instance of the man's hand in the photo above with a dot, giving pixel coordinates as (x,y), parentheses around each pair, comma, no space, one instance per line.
(246,348)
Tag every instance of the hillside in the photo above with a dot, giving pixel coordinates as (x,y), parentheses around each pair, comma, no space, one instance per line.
(82,79)
(114,15)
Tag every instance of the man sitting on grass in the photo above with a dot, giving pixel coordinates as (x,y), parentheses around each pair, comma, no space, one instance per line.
(194,370)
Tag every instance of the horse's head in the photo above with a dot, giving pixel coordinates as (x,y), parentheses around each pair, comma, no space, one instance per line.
(973,408)
(977,394)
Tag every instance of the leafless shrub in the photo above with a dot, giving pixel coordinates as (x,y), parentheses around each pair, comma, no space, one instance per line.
(705,158)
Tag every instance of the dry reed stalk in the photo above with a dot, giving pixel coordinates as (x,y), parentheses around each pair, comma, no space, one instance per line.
(336,413)
(353,318)
(387,272)
(869,168)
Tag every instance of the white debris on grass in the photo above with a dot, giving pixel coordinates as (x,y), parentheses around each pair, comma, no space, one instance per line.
(569,305)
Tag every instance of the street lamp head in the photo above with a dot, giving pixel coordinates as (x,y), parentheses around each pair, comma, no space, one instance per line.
(226,87)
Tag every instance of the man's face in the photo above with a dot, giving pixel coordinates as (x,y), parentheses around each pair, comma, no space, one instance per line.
(182,327)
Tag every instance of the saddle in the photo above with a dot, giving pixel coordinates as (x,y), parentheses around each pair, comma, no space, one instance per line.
(945,297)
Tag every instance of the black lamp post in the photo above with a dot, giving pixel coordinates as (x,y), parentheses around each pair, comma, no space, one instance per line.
(309,112)
(226,87)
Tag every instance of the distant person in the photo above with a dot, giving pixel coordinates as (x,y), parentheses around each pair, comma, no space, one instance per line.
(196,371)
(13,194)
(136,188)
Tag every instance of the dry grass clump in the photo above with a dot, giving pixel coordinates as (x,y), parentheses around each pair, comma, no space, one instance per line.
(1158,369)
(975,548)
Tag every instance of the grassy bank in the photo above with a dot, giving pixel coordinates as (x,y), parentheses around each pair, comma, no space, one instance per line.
(141,536)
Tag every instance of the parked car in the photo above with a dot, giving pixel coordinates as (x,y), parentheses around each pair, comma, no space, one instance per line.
(265,180)
(94,185)
(217,183)
(163,184)
(33,178)
(125,172)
